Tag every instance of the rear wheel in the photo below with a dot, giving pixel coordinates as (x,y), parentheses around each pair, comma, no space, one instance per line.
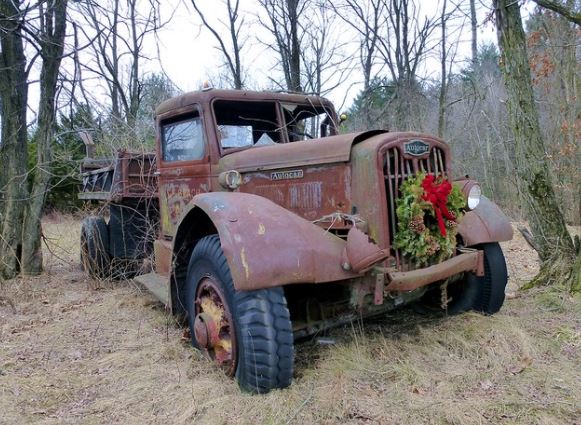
(95,258)
(246,333)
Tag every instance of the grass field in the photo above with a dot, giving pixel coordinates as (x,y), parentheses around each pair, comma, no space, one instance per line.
(75,350)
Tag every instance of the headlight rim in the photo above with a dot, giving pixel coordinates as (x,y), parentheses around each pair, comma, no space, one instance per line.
(473,196)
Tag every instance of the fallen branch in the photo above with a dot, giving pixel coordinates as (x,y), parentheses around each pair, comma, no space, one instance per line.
(528,237)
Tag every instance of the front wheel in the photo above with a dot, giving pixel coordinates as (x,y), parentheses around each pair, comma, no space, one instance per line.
(247,333)
(484,294)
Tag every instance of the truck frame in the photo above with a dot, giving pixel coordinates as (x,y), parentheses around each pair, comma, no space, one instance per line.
(260,224)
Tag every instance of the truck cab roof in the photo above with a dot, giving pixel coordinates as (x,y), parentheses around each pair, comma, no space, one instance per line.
(208,95)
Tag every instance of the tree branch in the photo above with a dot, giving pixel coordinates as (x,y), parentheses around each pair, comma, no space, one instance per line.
(561,9)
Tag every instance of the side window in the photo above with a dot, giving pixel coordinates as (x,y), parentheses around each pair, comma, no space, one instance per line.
(183,139)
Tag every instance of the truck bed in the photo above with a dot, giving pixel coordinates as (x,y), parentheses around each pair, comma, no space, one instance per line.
(130,175)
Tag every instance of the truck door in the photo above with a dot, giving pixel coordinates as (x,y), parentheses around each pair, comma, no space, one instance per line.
(184,165)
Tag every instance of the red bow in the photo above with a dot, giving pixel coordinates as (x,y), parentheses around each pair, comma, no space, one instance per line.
(437,195)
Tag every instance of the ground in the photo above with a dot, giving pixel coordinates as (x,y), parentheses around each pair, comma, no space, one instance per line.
(75,350)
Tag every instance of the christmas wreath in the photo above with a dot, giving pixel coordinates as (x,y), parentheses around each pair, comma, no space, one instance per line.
(428,211)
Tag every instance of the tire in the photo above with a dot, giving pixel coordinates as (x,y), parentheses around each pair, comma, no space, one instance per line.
(254,324)
(490,295)
(484,294)
(95,258)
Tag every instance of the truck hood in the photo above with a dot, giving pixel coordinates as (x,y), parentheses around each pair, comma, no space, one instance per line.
(296,154)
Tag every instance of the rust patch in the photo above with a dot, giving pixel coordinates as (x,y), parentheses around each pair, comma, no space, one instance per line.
(293,250)
(486,223)
(305,196)
(323,190)
(408,281)
(360,254)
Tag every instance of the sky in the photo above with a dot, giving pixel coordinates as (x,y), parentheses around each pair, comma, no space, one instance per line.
(188,55)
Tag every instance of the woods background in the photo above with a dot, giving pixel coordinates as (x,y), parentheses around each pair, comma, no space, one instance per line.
(405,63)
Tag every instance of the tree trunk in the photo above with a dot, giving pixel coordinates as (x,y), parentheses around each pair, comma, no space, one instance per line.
(555,246)
(474,28)
(13,153)
(295,47)
(54,25)
(444,77)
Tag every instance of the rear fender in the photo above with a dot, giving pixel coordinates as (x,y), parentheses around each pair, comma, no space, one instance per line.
(267,246)
(486,223)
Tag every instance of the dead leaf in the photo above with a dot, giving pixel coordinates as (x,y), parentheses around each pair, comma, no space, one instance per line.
(486,384)
(418,391)
(522,365)
(186,336)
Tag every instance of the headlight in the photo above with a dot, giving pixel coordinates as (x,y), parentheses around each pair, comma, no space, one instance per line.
(474,196)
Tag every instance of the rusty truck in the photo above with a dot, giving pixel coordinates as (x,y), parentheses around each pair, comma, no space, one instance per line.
(260,224)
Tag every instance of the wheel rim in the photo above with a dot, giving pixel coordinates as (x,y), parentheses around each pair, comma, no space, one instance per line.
(213,326)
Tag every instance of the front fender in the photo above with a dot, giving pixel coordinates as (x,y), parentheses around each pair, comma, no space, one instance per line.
(486,223)
(267,246)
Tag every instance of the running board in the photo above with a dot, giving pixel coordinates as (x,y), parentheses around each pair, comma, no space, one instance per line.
(157,284)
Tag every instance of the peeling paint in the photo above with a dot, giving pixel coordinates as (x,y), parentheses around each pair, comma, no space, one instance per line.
(306,196)
(244,263)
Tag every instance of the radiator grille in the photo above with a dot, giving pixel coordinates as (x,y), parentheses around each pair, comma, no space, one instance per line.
(396,169)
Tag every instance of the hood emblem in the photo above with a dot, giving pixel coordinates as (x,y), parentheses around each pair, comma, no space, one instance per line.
(416,147)
(286,175)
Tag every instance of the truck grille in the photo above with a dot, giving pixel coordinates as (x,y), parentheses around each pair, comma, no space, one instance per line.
(396,169)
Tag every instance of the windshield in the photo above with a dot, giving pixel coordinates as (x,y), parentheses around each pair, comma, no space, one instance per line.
(304,122)
(245,124)
(242,124)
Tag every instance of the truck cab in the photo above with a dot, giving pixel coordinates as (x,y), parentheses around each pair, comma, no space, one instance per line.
(261,223)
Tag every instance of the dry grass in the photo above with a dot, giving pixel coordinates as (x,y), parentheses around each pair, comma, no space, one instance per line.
(74,350)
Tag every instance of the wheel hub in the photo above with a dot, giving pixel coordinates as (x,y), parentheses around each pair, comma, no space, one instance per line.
(206,331)
(213,325)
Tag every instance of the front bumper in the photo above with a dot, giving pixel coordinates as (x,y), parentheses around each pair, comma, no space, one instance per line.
(469,260)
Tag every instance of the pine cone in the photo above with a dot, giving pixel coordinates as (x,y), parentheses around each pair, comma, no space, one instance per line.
(417,224)
(451,224)
(433,246)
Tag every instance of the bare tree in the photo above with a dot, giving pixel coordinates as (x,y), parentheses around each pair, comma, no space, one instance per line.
(368,19)
(284,23)
(233,25)
(448,50)
(561,259)
(118,31)
(403,50)
(51,37)
(444,73)
(474,31)
(325,65)
(13,151)
(42,28)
